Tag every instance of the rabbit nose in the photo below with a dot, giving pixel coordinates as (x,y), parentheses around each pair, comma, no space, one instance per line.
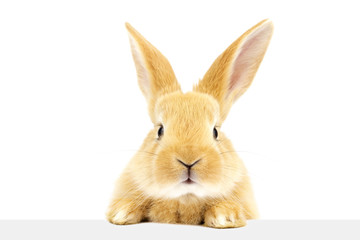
(188,166)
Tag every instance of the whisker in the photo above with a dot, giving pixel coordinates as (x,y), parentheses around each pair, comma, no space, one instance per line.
(148,152)
(233,151)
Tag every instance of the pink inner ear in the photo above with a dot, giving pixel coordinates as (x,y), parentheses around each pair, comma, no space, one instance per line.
(247,61)
(241,64)
(143,76)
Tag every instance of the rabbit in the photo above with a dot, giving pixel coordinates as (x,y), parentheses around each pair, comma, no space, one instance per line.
(186,170)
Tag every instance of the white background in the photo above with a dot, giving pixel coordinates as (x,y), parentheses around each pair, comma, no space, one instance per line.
(71,113)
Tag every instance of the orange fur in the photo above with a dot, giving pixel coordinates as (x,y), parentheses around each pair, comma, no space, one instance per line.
(152,186)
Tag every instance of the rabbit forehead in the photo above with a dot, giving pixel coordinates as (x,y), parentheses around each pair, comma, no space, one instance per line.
(191,107)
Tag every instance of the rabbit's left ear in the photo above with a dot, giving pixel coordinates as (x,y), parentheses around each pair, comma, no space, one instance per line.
(155,74)
(233,71)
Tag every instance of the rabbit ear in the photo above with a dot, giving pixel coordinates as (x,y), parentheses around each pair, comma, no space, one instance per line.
(155,75)
(233,71)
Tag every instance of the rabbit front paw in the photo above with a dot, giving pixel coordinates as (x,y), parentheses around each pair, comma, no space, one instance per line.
(225,216)
(125,213)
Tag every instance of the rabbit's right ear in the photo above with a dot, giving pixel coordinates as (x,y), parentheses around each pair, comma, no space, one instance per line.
(155,74)
(233,71)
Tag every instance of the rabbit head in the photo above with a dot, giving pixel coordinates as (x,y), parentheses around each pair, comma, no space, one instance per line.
(186,153)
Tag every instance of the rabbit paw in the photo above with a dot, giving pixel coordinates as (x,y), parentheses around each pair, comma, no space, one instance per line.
(224,217)
(122,214)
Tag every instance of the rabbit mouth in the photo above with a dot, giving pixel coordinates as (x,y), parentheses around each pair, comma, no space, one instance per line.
(189,181)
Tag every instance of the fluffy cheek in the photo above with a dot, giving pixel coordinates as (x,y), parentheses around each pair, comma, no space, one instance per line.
(167,170)
(213,176)
(209,171)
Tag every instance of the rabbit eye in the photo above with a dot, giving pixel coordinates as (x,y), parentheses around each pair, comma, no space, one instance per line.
(216,134)
(160,131)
